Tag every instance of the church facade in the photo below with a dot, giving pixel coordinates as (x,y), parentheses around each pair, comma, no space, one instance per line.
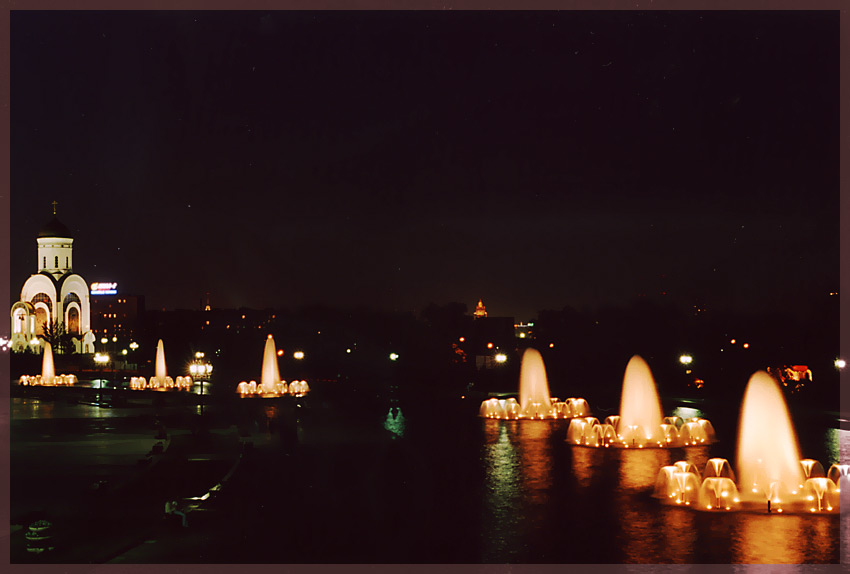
(55,295)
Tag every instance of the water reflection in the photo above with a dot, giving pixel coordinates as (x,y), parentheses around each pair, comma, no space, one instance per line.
(680,535)
(697,456)
(832,446)
(586,463)
(787,539)
(536,460)
(639,468)
(502,494)
(395,422)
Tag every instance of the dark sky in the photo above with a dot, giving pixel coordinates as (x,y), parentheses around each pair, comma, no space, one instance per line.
(390,159)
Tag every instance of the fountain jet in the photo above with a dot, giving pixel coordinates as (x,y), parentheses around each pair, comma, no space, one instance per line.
(768,455)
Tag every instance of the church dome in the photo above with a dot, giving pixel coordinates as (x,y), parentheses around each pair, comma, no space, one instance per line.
(55,228)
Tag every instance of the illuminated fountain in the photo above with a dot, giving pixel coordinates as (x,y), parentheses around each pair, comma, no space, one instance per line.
(48,377)
(771,474)
(270,383)
(161,381)
(534,400)
(640,423)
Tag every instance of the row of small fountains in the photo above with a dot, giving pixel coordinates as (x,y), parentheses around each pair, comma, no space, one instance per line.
(181,383)
(510,409)
(674,432)
(295,388)
(55,381)
(682,484)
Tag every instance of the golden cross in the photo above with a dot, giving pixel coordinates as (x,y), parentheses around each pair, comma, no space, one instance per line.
(55,203)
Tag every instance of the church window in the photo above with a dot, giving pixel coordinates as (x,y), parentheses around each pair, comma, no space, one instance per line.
(66,262)
(56,262)
(44,261)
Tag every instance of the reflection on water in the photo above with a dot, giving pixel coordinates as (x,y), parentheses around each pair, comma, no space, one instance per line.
(536,460)
(679,534)
(639,521)
(27,409)
(697,456)
(395,422)
(639,468)
(787,539)
(586,463)
(502,467)
(832,446)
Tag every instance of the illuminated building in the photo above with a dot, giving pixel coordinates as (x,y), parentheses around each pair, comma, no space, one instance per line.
(480,311)
(53,296)
(115,314)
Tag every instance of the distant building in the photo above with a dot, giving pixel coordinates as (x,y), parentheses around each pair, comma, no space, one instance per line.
(488,337)
(55,296)
(116,315)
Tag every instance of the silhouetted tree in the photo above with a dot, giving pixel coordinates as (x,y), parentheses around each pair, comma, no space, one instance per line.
(61,341)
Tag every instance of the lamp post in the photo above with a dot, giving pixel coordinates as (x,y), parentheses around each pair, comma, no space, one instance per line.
(200,371)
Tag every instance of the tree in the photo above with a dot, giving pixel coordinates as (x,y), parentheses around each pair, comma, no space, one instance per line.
(60,339)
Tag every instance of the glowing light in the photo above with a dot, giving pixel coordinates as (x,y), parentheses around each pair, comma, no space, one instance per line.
(551,345)
(746,345)
(134,345)
(501,358)
(393,356)
(124,351)
(101,358)
(686,359)
(280,352)
(462,339)
(104,340)
(732,341)
(489,345)
(348,350)
(840,363)
(298,355)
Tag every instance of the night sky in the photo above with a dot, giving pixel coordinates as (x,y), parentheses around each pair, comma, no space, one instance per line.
(391,159)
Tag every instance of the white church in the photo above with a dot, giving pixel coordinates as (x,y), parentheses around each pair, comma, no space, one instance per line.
(54,294)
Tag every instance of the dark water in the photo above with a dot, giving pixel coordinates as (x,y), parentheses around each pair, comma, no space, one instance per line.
(432,484)
(383,481)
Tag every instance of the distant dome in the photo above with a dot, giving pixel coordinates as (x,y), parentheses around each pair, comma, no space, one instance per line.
(55,228)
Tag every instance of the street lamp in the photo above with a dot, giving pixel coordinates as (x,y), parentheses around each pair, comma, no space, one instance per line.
(200,370)
(101,359)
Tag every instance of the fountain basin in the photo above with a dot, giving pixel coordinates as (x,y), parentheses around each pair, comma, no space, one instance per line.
(640,424)
(271,384)
(680,484)
(534,399)
(48,376)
